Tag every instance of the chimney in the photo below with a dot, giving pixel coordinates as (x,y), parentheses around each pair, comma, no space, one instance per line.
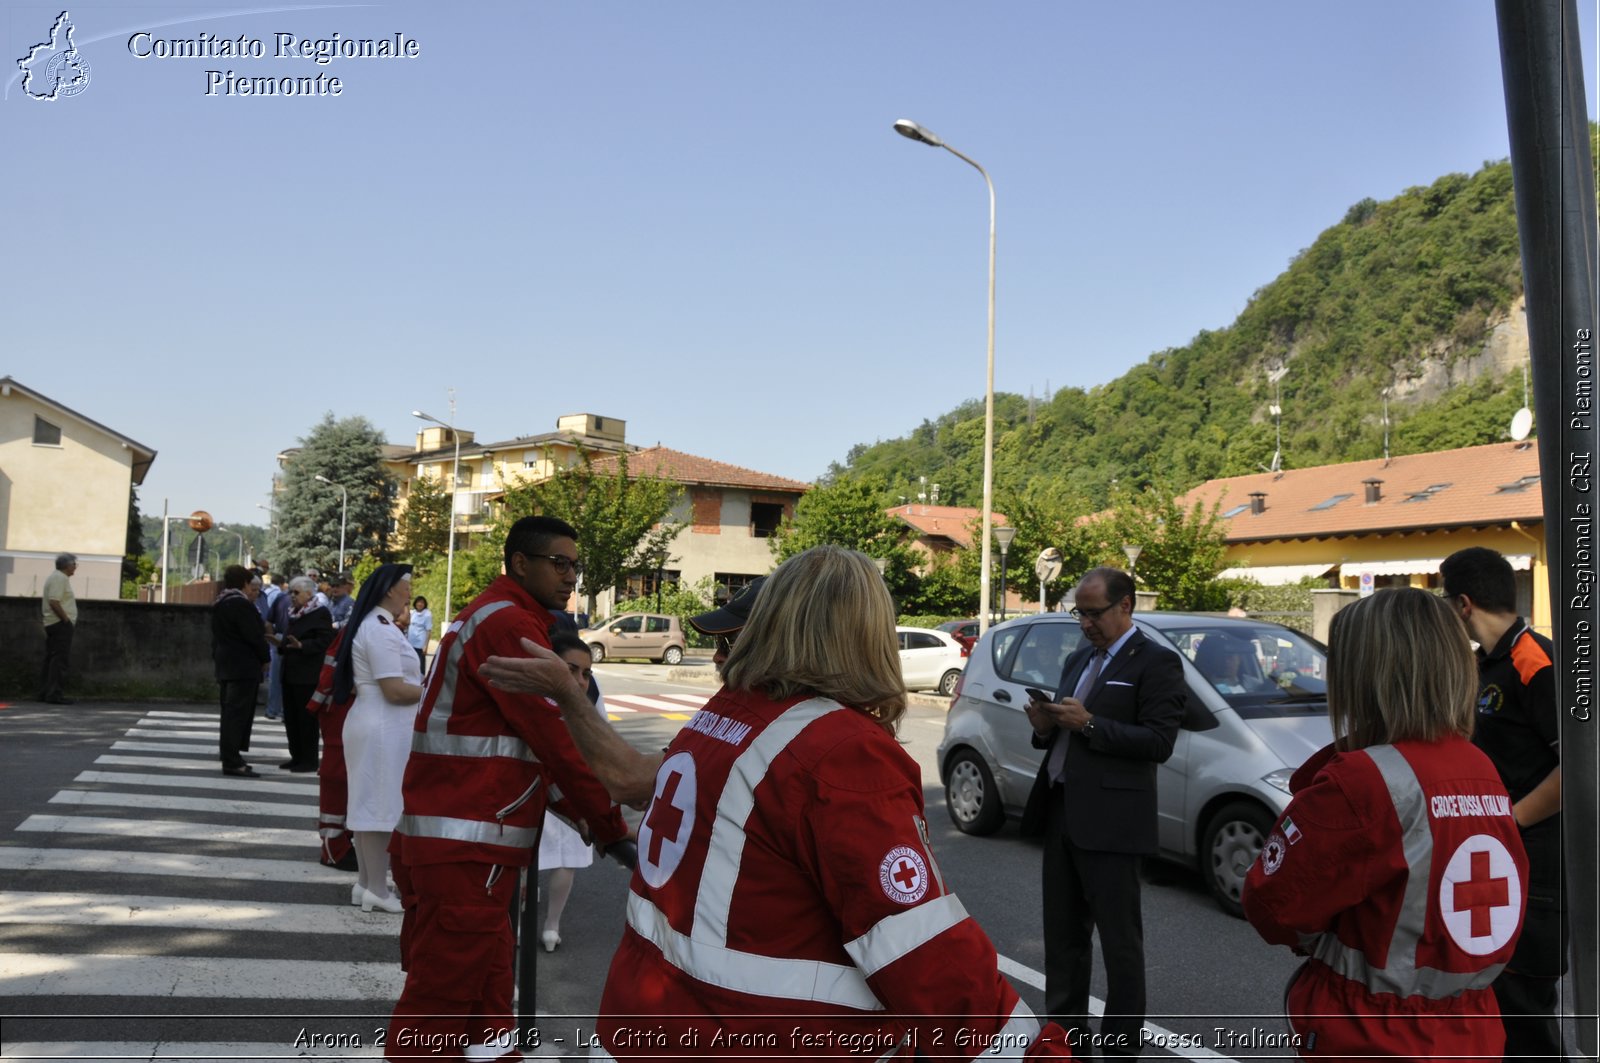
(1258,502)
(1374,492)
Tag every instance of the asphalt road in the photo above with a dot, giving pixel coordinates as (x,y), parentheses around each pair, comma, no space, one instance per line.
(151,908)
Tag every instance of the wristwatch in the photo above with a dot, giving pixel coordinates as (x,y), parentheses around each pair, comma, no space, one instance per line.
(1088,729)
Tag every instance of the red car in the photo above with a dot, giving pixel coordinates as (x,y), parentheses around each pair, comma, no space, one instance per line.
(963,631)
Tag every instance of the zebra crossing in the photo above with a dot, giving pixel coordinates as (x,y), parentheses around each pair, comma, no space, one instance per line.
(668,706)
(157,910)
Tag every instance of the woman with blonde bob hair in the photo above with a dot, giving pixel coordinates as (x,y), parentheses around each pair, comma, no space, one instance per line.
(1397,868)
(786,898)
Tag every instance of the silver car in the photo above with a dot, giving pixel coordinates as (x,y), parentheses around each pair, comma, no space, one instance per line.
(1257,709)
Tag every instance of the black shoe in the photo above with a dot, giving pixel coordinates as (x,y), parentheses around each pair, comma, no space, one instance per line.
(302,768)
(245,772)
(287,764)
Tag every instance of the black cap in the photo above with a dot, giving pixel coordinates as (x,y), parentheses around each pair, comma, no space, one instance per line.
(731,617)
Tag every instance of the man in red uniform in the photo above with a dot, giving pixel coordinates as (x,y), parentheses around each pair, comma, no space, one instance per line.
(484,765)
(1518,727)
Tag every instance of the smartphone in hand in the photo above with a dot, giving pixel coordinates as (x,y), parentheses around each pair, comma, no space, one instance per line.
(1038,695)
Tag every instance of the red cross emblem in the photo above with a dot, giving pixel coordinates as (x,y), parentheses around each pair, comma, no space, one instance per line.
(903,874)
(1481,893)
(1480,896)
(667,827)
(665,818)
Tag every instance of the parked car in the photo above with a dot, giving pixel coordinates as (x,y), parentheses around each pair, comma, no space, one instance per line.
(650,635)
(930,660)
(1257,708)
(963,631)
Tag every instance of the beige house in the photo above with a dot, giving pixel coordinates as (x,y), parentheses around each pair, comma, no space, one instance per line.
(1388,522)
(730,513)
(64,487)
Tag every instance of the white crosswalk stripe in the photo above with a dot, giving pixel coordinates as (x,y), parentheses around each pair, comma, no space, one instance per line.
(144,883)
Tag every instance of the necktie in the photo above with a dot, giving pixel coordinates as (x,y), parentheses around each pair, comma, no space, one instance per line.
(1058,748)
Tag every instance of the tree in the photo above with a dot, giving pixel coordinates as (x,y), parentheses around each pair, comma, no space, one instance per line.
(849,513)
(1181,551)
(424,530)
(621,520)
(133,547)
(348,452)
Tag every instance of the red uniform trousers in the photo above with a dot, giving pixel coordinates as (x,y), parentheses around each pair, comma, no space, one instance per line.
(459,916)
(333,794)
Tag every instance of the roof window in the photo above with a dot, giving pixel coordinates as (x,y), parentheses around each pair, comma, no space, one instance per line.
(1424,494)
(1521,485)
(1331,502)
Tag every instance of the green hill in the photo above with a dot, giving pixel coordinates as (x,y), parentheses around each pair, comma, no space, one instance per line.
(1414,294)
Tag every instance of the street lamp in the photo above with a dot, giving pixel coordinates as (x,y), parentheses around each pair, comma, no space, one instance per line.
(165,542)
(1132,552)
(907,128)
(239,536)
(450,550)
(344,511)
(1003,534)
(274,515)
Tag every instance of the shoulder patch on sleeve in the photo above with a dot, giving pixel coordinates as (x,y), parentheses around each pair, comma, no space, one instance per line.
(1528,657)
(903,874)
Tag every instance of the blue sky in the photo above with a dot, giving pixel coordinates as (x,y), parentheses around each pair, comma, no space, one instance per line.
(692,215)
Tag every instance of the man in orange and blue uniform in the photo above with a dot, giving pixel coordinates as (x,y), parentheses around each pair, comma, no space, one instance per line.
(1519,728)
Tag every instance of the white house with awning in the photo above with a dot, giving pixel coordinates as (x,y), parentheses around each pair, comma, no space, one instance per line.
(1387,522)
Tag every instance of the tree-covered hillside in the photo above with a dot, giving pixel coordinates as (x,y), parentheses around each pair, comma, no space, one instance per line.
(1393,291)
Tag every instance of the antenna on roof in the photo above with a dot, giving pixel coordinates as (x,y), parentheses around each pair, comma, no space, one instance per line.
(1386,392)
(1276,409)
(1522,420)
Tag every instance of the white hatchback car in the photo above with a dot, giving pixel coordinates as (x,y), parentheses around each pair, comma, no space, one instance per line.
(930,660)
(1257,708)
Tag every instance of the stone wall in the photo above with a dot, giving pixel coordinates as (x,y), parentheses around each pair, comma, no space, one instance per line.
(119,650)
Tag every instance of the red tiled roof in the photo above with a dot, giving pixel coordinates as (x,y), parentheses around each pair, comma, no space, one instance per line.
(1468,490)
(947,522)
(689,470)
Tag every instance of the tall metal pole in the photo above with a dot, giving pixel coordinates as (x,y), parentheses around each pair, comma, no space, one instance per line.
(1552,173)
(344,509)
(164,551)
(907,128)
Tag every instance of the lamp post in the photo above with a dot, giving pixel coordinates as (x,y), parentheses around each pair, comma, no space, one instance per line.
(907,128)
(165,541)
(1132,551)
(273,513)
(239,536)
(1003,534)
(344,511)
(450,548)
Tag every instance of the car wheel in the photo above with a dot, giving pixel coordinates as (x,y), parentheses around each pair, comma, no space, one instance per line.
(674,655)
(1233,840)
(970,796)
(597,651)
(948,681)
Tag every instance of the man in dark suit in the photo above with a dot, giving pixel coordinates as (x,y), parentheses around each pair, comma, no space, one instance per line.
(239,655)
(1114,719)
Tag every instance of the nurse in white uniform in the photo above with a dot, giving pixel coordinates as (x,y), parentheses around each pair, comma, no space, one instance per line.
(379,667)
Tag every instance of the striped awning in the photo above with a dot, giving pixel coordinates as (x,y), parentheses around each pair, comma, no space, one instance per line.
(1414,566)
(1276,575)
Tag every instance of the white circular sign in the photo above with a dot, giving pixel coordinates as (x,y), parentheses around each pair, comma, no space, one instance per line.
(903,874)
(664,832)
(1480,895)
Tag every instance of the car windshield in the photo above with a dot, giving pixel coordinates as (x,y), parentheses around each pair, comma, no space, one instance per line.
(1261,669)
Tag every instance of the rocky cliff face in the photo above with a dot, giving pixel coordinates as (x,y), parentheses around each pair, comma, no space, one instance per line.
(1505,351)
